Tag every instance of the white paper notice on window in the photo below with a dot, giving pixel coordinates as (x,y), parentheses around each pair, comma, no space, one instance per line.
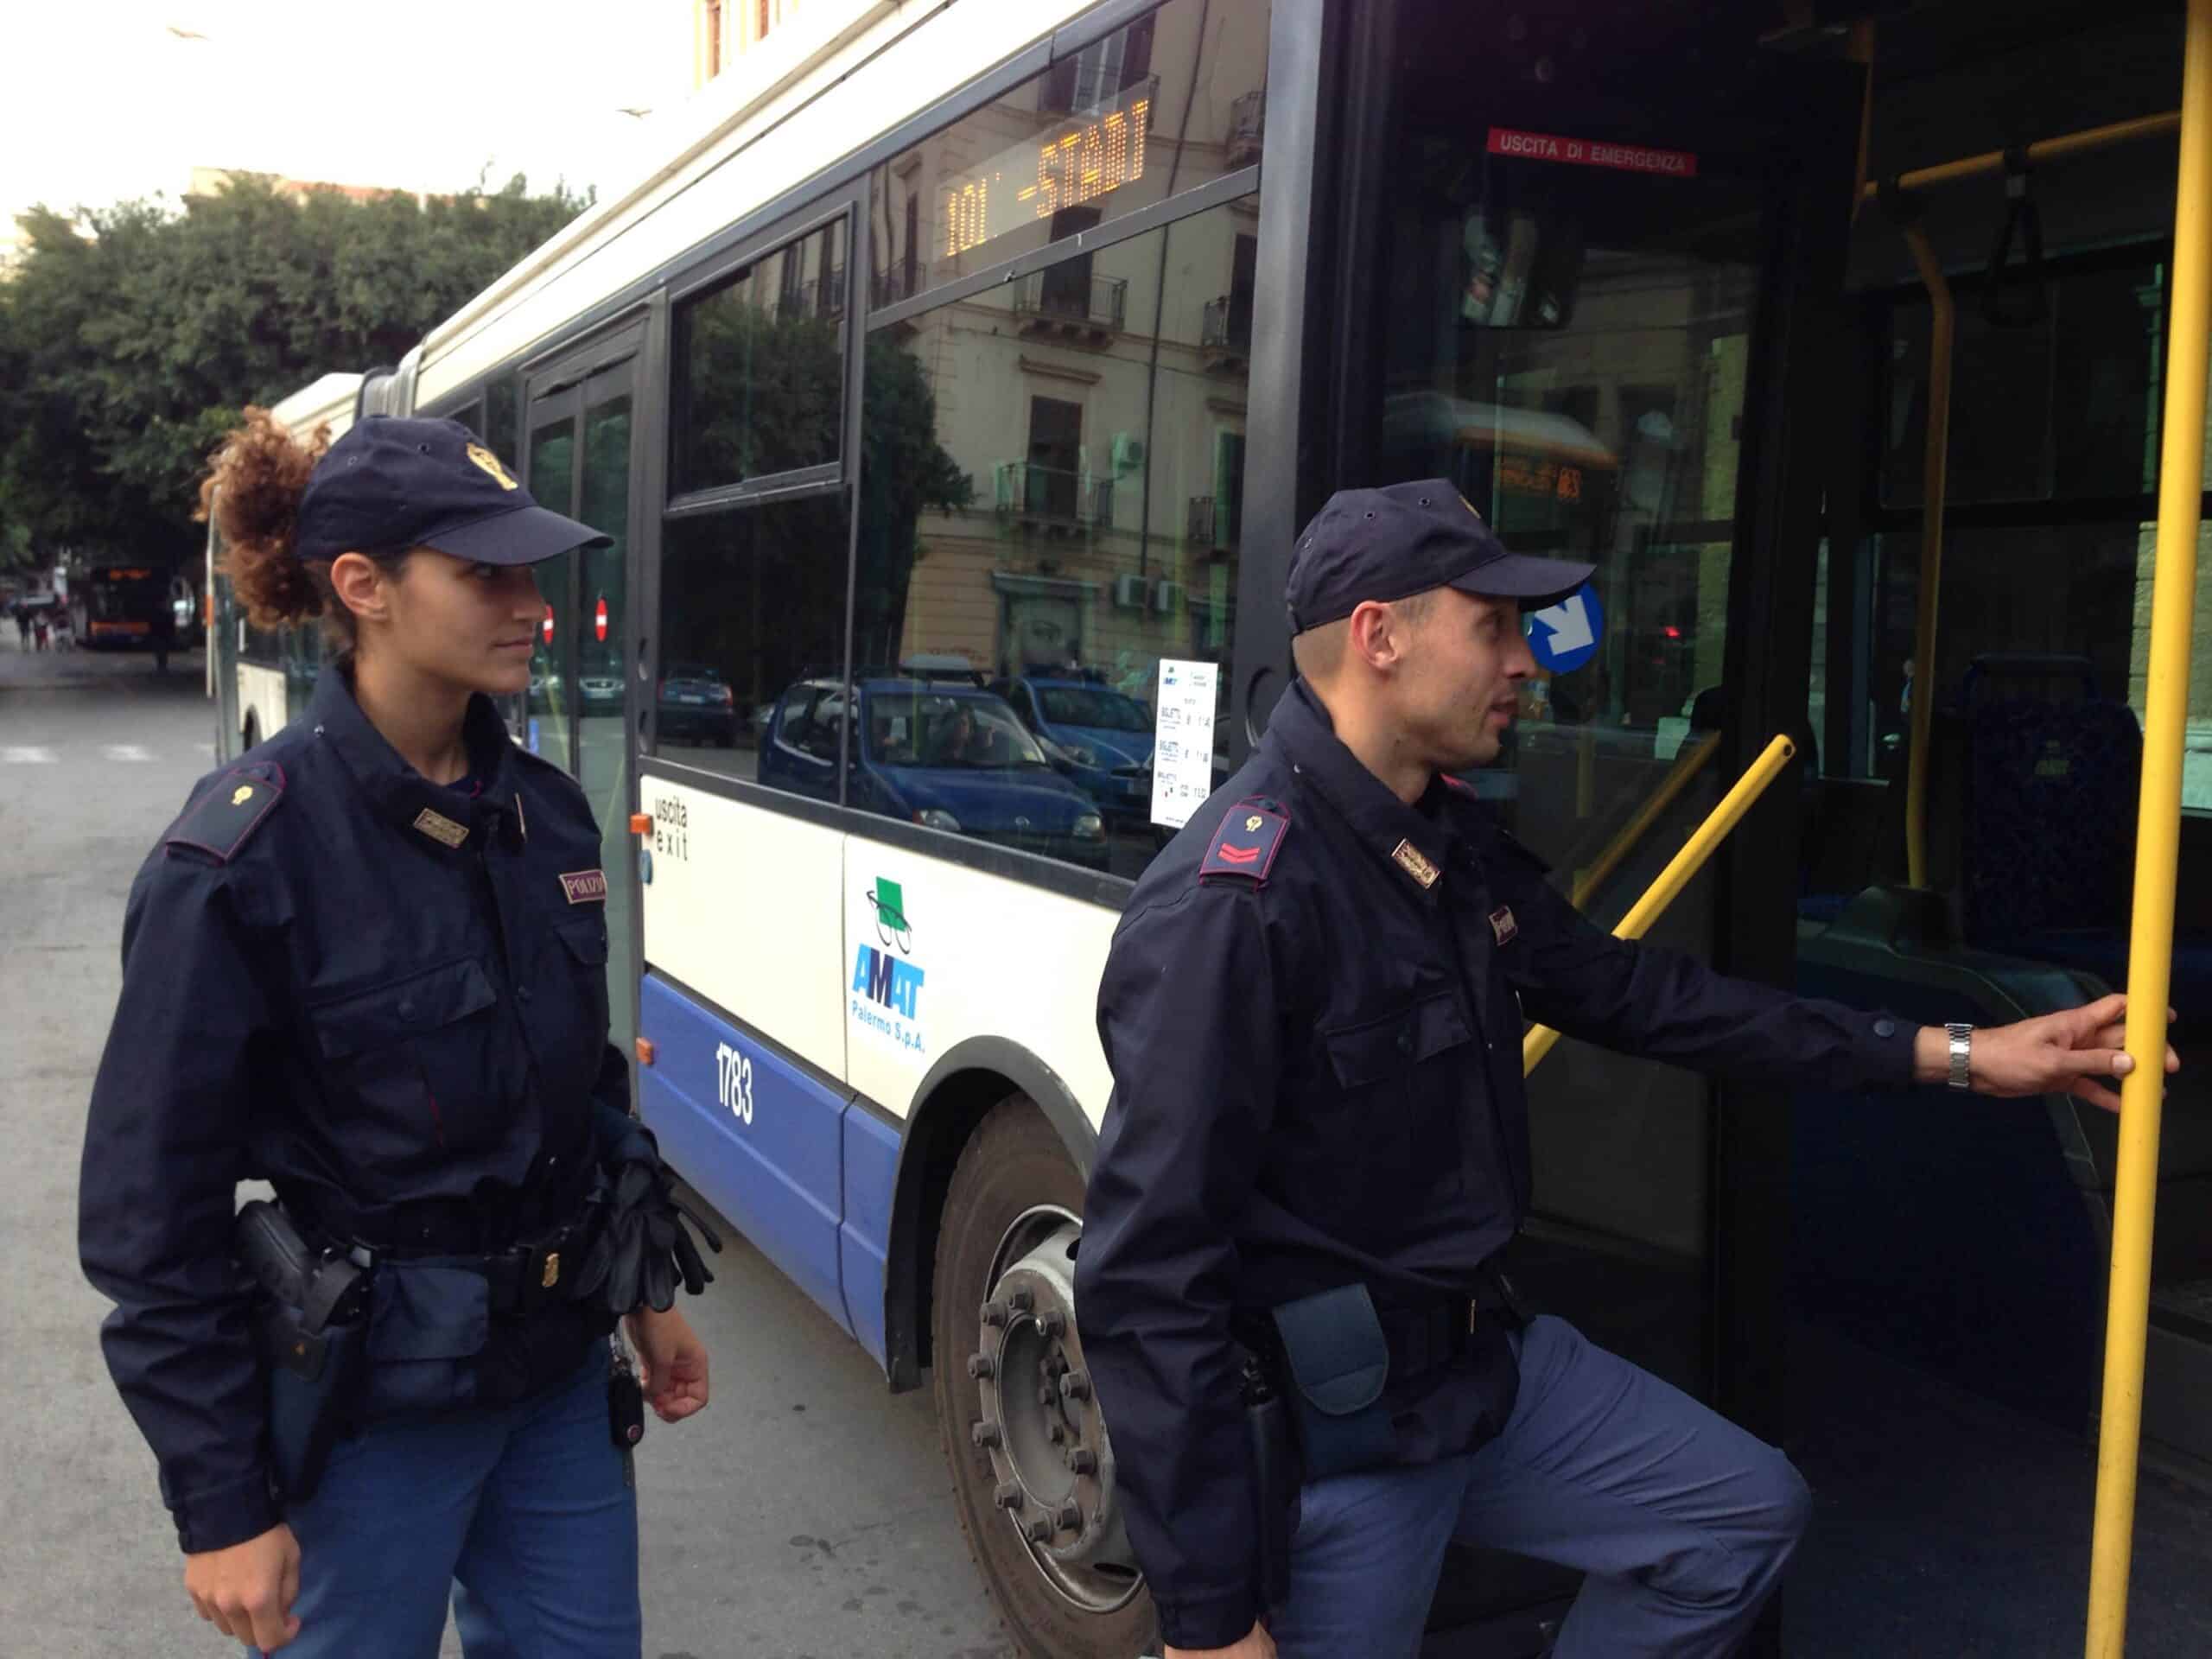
(1182,751)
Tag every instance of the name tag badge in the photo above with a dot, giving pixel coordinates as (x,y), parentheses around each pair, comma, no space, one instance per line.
(584,886)
(1503,924)
(440,828)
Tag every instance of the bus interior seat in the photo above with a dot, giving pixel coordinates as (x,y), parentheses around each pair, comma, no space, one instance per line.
(2048,857)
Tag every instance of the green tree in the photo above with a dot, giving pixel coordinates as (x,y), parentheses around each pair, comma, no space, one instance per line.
(131,337)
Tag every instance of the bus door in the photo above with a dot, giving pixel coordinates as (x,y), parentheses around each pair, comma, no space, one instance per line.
(584,444)
(1580,268)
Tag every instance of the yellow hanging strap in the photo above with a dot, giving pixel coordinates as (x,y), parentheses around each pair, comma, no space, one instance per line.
(2158,849)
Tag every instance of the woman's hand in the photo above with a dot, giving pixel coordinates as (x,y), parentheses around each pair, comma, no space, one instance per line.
(671,1364)
(246,1591)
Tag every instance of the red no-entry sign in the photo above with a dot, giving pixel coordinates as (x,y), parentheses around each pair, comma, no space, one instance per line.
(549,624)
(598,621)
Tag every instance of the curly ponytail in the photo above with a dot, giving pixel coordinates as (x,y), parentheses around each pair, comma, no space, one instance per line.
(255,479)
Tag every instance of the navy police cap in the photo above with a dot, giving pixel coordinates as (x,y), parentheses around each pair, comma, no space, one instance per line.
(392,483)
(1405,539)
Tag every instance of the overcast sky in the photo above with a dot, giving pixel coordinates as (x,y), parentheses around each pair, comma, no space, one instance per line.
(100,103)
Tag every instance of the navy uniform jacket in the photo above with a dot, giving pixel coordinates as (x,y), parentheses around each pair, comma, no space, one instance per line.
(1313,1011)
(385,996)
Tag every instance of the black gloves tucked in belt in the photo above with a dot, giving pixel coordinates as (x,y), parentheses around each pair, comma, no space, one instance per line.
(642,1246)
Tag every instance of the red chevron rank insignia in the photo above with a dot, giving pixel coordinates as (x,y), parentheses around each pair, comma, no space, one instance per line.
(1249,837)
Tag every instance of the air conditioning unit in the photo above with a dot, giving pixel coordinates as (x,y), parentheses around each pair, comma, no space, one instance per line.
(1129,452)
(1128,593)
(1167,597)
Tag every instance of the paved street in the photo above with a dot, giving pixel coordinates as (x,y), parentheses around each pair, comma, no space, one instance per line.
(806,1513)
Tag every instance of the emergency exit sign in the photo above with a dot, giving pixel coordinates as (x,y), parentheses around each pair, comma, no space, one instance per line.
(1593,152)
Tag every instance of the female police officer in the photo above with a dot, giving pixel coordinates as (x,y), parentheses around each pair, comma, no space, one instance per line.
(367,965)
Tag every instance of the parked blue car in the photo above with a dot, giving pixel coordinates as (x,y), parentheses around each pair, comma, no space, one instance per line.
(1100,738)
(948,756)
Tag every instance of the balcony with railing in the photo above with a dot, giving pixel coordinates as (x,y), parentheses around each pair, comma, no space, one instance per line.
(1209,526)
(1054,499)
(1065,299)
(1225,333)
(1247,127)
(820,297)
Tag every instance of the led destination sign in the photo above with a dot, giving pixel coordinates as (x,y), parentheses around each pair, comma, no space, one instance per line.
(1092,156)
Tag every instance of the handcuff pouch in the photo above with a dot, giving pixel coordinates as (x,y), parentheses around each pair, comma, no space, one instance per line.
(1337,1361)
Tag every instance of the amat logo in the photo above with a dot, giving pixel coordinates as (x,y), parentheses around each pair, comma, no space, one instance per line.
(883,979)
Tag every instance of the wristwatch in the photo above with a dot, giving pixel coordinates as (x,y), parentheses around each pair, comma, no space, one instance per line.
(1961,1055)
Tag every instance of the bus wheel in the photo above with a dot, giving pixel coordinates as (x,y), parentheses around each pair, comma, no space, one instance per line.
(1032,1473)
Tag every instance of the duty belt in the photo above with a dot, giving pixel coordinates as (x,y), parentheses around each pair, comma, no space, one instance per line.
(1421,1339)
(522,1277)
(529,1275)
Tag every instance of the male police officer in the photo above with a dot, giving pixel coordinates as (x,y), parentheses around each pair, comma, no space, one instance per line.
(1318,1141)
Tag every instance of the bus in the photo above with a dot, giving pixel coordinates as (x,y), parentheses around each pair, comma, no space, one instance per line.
(260,678)
(984,351)
(120,605)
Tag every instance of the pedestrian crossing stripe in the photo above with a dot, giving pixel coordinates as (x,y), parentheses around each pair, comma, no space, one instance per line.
(26,755)
(125,752)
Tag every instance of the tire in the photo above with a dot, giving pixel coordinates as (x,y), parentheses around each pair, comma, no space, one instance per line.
(1013,1197)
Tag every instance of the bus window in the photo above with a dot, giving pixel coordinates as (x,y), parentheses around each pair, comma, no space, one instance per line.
(2061,407)
(1100,134)
(760,368)
(499,418)
(1051,492)
(752,633)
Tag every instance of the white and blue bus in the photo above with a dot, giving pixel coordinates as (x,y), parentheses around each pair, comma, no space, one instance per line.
(259,678)
(952,391)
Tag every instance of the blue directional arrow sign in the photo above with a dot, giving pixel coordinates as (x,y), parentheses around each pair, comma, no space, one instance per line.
(1565,636)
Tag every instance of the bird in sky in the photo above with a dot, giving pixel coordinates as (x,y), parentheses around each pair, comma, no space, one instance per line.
(186,34)
(632,111)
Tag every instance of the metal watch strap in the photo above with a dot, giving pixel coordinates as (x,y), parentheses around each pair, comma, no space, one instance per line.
(1961,1055)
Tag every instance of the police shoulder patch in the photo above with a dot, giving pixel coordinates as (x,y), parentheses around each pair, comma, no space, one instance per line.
(1250,835)
(225,816)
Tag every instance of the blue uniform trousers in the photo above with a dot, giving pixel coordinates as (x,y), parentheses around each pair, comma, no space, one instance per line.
(1682,1520)
(524,1512)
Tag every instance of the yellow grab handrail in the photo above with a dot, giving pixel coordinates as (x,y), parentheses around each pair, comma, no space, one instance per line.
(2157,850)
(1690,762)
(1683,866)
(2063,148)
